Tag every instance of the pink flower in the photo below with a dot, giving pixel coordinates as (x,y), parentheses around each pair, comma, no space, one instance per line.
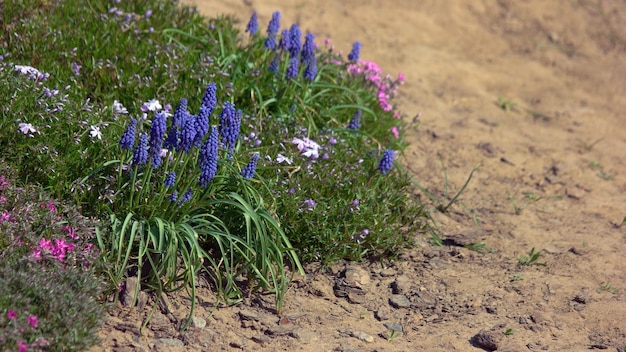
(32,320)
(401,77)
(11,314)
(395,132)
(3,182)
(5,216)
(71,233)
(22,346)
(3,199)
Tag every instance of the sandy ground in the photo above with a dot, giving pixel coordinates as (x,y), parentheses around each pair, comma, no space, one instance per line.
(559,154)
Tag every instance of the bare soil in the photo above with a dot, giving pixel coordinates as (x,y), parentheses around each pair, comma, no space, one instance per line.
(559,154)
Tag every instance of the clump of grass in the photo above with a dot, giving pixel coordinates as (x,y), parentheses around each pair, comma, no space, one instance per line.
(531,259)
(288,156)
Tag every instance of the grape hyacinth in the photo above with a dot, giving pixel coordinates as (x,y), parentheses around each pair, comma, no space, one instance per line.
(188,134)
(292,69)
(140,155)
(248,170)
(230,122)
(386,162)
(355,122)
(285,41)
(272,30)
(308,49)
(274,65)
(173,134)
(157,133)
(354,54)
(210,97)
(186,197)
(174,196)
(202,125)
(128,138)
(311,70)
(253,24)
(208,159)
(295,41)
(170,179)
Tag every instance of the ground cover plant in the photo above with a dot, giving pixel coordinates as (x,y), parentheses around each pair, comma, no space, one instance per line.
(197,148)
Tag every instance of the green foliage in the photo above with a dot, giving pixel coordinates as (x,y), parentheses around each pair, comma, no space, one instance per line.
(530,259)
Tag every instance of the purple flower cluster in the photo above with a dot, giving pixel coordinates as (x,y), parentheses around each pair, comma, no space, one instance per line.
(140,154)
(230,123)
(208,159)
(128,138)
(355,122)
(272,30)
(355,52)
(253,24)
(248,170)
(292,69)
(295,40)
(157,133)
(386,162)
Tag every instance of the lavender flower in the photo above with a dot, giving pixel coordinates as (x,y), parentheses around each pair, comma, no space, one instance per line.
(386,162)
(253,24)
(311,70)
(128,138)
(170,179)
(76,68)
(248,170)
(230,122)
(140,155)
(355,122)
(272,30)
(285,41)
(308,49)
(188,134)
(309,204)
(157,133)
(292,70)
(295,40)
(202,124)
(354,54)
(208,159)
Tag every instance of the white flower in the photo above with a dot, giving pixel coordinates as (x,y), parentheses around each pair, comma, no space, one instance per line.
(153,105)
(28,70)
(307,147)
(283,159)
(94,131)
(27,129)
(118,108)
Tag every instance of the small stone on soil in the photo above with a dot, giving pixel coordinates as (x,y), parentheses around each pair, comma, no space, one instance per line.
(394,327)
(363,336)
(169,342)
(399,301)
(488,340)
(198,322)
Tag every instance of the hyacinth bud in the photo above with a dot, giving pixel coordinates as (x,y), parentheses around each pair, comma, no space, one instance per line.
(308,49)
(140,154)
(170,179)
(295,40)
(285,41)
(202,125)
(128,138)
(248,170)
(186,196)
(292,69)
(272,30)
(253,24)
(210,97)
(386,162)
(188,134)
(208,159)
(355,52)
(311,70)
(157,133)
(355,122)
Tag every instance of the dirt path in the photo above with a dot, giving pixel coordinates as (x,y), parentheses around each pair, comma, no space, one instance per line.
(560,153)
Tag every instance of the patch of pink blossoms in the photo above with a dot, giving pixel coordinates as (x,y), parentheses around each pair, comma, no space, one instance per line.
(387,87)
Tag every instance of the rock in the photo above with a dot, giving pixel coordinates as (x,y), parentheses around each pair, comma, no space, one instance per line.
(363,336)
(582,298)
(305,335)
(197,336)
(383,313)
(388,272)
(128,294)
(198,322)
(169,342)
(394,327)
(357,277)
(399,301)
(248,315)
(487,340)
(425,299)
(402,285)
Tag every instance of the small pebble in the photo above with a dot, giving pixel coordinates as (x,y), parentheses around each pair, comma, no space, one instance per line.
(399,301)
